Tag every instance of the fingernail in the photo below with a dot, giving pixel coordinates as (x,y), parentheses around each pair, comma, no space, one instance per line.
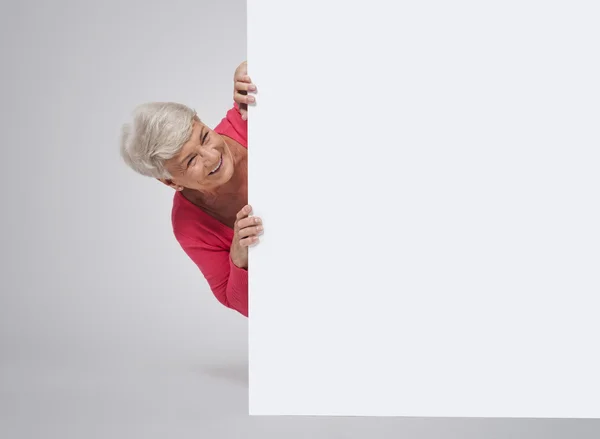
(252,88)
(251,99)
(259,228)
(257,220)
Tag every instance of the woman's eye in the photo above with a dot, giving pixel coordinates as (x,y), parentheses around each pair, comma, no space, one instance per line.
(192,160)
(204,139)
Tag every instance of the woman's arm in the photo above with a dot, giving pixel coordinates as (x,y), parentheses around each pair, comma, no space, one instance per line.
(228,282)
(226,270)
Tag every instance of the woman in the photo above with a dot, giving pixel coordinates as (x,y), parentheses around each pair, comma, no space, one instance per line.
(208,171)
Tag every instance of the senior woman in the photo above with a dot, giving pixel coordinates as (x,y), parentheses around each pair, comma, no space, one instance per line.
(207,168)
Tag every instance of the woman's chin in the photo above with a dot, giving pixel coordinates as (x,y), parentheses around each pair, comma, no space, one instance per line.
(223,176)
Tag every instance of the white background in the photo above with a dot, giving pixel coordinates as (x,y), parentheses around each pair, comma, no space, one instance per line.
(427,175)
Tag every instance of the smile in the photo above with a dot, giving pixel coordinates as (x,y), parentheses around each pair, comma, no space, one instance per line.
(216,168)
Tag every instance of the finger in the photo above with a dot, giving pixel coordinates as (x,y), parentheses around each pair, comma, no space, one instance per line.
(244,114)
(245,86)
(242,79)
(242,76)
(250,231)
(250,221)
(243,213)
(244,99)
(250,241)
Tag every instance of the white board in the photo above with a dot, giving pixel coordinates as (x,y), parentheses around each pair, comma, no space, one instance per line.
(427,173)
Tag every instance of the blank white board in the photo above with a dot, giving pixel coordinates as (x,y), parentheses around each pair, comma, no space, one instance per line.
(427,173)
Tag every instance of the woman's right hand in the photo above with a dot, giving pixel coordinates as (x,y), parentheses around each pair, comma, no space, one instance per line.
(245,233)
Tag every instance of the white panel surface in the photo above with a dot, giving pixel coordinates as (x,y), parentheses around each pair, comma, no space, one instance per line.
(427,173)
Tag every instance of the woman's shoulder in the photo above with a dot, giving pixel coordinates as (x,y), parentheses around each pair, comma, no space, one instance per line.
(192,226)
(187,219)
(234,127)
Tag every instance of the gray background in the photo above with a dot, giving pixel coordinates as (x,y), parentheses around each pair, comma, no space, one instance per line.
(107,329)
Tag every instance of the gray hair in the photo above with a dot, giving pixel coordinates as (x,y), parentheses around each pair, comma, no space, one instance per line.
(157,133)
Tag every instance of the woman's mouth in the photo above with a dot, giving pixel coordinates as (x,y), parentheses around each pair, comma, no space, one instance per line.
(218,166)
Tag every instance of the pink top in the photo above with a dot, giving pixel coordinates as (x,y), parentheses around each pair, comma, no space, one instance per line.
(207,241)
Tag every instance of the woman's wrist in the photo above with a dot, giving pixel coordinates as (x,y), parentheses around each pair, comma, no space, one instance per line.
(238,262)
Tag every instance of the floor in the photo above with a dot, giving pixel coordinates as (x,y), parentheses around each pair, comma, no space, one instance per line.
(179,397)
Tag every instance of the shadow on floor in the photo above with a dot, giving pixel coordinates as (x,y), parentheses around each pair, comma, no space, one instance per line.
(234,373)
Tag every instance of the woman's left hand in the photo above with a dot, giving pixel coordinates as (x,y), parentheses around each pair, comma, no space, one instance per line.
(242,86)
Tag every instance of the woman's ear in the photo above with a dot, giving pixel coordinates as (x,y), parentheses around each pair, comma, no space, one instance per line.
(170,184)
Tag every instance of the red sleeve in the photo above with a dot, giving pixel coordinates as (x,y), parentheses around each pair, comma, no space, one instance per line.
(233,126)
(228,282)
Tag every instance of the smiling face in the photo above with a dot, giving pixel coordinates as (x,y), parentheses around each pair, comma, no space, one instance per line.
(204,163)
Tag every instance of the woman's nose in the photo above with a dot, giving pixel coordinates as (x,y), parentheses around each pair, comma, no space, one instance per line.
(206,152)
